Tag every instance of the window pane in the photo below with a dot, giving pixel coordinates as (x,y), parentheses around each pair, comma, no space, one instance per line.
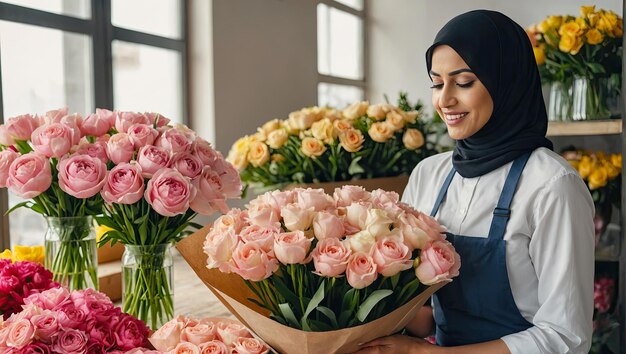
(42,69)
(147,79)
(337,96)
(356,4)
(339,43)
(161,17)
(76,8)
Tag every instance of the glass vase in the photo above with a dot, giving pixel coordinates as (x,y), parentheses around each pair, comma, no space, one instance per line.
(561,101)
(147,284)
(593,98)
(71,252)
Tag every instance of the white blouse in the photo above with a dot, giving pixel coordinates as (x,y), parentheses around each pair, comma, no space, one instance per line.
(549,242)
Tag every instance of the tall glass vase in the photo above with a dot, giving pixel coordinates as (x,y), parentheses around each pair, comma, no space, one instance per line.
(561,101)
(147,285)
(592,98)
(71,253)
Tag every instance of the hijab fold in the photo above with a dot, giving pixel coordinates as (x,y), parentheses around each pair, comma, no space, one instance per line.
(499,52)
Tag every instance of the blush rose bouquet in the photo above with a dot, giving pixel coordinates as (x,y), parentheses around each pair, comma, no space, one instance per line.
(60,321)
(318,262)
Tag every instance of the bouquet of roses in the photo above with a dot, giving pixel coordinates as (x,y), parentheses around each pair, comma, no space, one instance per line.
(18,281)
(317,262)
(207,335)
(318,144)
(58,321)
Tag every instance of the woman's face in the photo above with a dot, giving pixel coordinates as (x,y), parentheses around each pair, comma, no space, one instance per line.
(461,100)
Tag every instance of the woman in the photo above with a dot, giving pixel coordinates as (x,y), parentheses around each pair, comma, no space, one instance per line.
(520,217)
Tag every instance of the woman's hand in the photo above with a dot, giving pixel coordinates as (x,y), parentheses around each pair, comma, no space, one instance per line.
(398,344)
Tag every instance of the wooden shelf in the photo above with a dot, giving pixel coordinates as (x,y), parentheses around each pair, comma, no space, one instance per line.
(585,127)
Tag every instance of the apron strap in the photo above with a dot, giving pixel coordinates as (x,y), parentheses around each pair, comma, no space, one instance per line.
(442,192)
(502,213)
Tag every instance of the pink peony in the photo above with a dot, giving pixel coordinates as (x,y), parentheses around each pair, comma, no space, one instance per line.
(291,247)
(330,257)
(251,262)
(96,124)
(169,192)
(29,175)
(438,262)
(124,120)
(81,176)
(391,256)
(21,127)
(120,148)
(361,270)
(130,333)
(124,184)
(229,178)
(142,135)
(202,149)
(6,158)
(69,341)
(187,164)
(50,299)
(151,159)
(21,333)
(36,348)
(54,140)
(46,325)
(157,119)
(175,141)
(97,150)
(209,197)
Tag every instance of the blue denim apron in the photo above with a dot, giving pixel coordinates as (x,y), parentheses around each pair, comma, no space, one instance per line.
(478,305)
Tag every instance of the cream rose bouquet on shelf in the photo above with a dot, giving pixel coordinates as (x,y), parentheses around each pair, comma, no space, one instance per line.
(317,262)
(321,144)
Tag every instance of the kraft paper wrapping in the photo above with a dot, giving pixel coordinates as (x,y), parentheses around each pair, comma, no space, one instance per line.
(233,293)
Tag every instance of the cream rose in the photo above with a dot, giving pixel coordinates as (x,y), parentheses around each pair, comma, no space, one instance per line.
(413,139)
(379,111)
(352,140)
(270,126)
(395,120)
(411,116)
(277,138)
(312,147)
(380,132)
(341,125)
(324,131)
(301,120)
(356,110)
(259,154)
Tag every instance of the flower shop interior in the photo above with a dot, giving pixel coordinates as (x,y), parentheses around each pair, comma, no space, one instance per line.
(229,70)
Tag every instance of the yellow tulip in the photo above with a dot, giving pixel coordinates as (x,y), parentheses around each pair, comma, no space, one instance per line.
(6,254)
(101,230)
(540,55)
(28,253)
(598,178)
(594,36)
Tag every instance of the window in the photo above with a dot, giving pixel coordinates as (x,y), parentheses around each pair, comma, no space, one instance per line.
(340,52)
(84,54)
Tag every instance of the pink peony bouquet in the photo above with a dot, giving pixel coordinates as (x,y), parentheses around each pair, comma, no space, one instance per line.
(205,336)
(318,262)
(18,281)
(59,321)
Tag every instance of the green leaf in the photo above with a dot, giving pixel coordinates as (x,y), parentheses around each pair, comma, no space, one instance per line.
(23,147)
(19,205)
(282,288)
(394,280)
(141,219)
(329,314)
(371,301)
(315,301)
(347,299)
(288,315)
(355,168)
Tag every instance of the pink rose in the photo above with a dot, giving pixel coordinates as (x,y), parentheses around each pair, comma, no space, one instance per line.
(169,192)
(291,247)
(198,334)
(328,225)
(36,348)
(54,140)
(295,218)
(45,325)
(219,246)
(6,158)
(416,231)
(54,116)
(233,220)
(202,149)
(29,175)
(263,236)
(21,127)
(330,257)
(185,348)
(97,150)
(175,141)
(251,262)
(361,271)
(124,184)
(142,135)
(314,198)
(4,333)
(229,331)
(157,118)
(277,199)
(166,337)
(438,262)
(109,116)
(347,195)
(102,333)
(187,164)
(378,222)
(21,332)
(69,341)
(96,124)
(356,214)
(125,120)
(249,346)
(209,197)
(152,159)
(229,178)
(362,241)
(214,347)
(5,138)
(50,299)
(130,333)
(263,214)
(71,317)
(81,176)
(120,148)
(391,256)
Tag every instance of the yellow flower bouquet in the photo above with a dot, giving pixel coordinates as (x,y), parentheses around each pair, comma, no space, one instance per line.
(321,144)
(24,253)
(583,56)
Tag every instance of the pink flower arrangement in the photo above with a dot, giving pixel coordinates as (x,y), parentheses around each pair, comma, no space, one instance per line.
(366,244)
(57,321)
(603,294)
(18,281)
(205,336)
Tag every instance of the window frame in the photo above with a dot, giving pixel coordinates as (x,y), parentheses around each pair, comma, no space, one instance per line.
(338,80)
(102,33)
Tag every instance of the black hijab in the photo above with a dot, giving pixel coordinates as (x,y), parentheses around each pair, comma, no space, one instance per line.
(499,52)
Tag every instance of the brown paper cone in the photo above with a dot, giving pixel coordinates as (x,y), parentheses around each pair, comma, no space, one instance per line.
(233,293)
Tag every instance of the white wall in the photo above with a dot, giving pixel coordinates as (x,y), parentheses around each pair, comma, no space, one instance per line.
(400,31)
